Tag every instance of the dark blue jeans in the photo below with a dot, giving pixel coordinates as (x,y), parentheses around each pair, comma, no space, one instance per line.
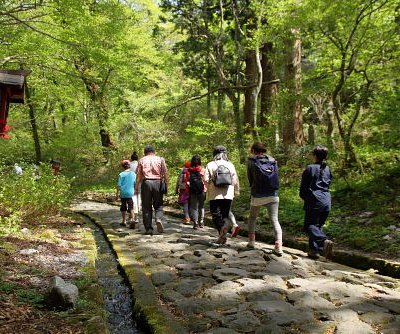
(314,219)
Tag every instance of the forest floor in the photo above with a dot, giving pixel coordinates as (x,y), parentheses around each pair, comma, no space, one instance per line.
(28,260)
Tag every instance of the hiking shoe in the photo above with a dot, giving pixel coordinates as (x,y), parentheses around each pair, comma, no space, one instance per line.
(123,224)
(313,254)
(160,227)
(132,224)
(328,249)
(235,231)
(149,231)
(186,220)
(251,244)
(195,227)
(201,226)
(221,240)
(278,249)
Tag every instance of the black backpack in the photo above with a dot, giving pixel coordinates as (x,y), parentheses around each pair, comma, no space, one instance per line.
(266,174)
(222,176)
(196,185)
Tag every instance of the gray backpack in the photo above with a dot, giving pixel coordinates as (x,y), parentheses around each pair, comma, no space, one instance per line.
(222,176)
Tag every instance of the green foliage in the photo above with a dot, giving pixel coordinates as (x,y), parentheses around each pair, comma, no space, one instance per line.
(7,287)
(30,296)
(29,198)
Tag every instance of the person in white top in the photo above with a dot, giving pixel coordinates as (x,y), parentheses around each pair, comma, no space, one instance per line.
(222,186)
(136,197)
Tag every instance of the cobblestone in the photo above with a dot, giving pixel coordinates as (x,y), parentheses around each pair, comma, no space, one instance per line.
(217,289)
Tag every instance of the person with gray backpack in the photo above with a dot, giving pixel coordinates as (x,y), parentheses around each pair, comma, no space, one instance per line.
(262,172)
(222,186)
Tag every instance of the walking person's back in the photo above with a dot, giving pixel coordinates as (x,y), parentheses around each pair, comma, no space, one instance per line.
(262,173)
(197,191)
(151,173)
(125,189)
(222,185)
(314,190)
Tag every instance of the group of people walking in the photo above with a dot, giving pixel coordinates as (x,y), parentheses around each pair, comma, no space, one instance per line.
(145,180)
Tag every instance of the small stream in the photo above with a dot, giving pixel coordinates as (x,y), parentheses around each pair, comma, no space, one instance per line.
(117,295)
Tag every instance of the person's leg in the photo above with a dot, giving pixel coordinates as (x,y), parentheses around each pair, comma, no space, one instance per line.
(201,200)
(194,206)
(225,207)
(253,214)
(216,214)
(158,202)
(186,211)
(316,237)
(235,226)
(147,209)
(123,209)
(273,217)
(130,211)
(326,245)
(135,207)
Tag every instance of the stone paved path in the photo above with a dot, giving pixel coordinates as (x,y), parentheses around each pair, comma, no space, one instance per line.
(227,289)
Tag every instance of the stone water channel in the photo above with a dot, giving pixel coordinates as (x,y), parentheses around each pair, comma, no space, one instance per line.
(183,282)
(117,294)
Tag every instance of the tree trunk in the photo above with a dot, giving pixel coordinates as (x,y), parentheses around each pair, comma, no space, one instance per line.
(250,94)
(32,119)
(330,126)
(220,105)
(293,120)
(268,91)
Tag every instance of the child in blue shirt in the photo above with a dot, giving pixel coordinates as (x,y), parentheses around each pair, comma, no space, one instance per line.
(126,190)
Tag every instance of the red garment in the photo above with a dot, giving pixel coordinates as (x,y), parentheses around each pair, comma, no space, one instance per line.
(199,169)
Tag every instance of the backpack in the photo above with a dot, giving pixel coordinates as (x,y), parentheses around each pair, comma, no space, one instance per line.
(196,185)
(266,174)
(222,176)
(182,180)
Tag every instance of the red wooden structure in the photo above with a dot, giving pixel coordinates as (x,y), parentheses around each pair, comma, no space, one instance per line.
(12,89)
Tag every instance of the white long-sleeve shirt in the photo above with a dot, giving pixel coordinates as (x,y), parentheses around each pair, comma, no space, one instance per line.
(227,192)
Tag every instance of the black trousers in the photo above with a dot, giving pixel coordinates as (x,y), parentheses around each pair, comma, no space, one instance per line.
(219,209)
(151,198)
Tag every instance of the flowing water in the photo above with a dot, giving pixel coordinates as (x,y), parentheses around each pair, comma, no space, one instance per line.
(117,295)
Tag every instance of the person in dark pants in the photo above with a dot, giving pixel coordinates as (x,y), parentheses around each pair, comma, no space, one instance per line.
(125,188)
(197,191)
(221,196)
(151,170)
(314,190)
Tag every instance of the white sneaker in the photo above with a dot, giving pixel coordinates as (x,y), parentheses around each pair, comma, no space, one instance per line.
(251,244)
(278,249)
(160,227)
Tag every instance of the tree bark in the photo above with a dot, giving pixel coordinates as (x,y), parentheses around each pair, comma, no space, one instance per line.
(268,91)
(250,94)
(32,119)
(293,122)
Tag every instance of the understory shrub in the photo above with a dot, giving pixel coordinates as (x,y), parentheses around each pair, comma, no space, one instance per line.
(29,197)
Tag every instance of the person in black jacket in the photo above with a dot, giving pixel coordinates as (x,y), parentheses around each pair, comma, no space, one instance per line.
(314,190)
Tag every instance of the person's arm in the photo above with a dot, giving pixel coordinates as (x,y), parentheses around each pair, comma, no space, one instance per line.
(250,172)
(236,182)
(207,175)
(134,182)
(164,166)
(118,187)
(139,177)
(305,183)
